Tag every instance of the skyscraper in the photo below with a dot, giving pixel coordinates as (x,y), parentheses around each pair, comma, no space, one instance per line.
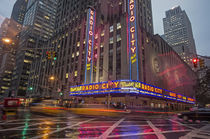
(178,33)
(9,30)
(19,10)
(108,47)
(38,28)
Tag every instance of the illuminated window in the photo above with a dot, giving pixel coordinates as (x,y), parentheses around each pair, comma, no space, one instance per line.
(78,44)
(46,17)
(77,53)
(27,61)
(102,34)
(5,79)
(9,72)
(118,38)
(75,73)
(72,55)
(147,40)
(38,25)
(67,75)
(28,54)
(96,36)
(102,46)
(111,40)
(118,26)
(31,40)
(5,88)
(111,29)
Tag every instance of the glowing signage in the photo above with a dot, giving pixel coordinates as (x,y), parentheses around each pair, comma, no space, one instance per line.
(132,39)
(190,100)
(90,31)
(117,84)
(127,86)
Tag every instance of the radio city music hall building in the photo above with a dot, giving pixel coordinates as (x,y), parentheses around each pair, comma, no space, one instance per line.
(109,49)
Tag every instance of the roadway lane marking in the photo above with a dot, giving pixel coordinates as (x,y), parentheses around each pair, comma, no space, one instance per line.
(195,133)
(196,129)
(15,128)
(34,119)
(41,120)
(110,129)
(183,124)
(61,129)
(149,133)
(157,131)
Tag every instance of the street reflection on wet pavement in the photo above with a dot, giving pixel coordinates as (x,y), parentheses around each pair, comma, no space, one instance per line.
(35,126)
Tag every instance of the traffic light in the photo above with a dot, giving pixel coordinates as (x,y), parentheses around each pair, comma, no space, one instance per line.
(55,55)
(61,93)
(30,88)
(48,54)
(195,62)
(201,63)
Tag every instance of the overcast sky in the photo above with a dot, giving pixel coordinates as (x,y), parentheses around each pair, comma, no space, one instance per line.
(197,11)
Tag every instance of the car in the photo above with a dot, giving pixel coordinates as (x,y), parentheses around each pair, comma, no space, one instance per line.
(202,114)
(11,105)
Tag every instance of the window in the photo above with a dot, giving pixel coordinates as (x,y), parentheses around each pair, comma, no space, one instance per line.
(118,26)
(102,33)
(77,53)
(111,40)
(27,61)
(75,73)
(78,44)
(102,48)
(111,29)
(118,38)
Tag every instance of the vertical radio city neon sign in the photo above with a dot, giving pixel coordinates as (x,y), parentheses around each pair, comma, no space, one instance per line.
(132,39)
(90,31)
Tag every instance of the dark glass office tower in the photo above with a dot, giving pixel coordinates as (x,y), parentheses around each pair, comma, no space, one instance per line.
(38,24)
(19,10)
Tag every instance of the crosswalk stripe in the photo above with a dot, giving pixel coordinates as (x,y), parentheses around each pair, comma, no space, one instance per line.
(110,129)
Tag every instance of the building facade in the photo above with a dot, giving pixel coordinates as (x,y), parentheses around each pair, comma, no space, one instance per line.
(19,10)
(108,43)
(71,16)
(178,33)
(38,28)
(9,30)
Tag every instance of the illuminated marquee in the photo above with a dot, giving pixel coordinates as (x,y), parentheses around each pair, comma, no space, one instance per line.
(117,84)
(127,86)
(89,43)
(132,38)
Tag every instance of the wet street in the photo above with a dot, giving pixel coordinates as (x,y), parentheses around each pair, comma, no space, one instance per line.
(35,125)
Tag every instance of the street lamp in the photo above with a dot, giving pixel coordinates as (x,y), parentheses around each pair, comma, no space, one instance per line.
(52,78)
(7,40)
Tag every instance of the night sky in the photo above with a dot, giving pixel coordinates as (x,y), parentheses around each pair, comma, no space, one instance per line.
(197,11)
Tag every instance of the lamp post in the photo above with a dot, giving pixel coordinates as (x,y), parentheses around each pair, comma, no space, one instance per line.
(53,78)
(7,40)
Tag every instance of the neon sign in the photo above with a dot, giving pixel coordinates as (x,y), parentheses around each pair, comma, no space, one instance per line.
(90,31)
(127,86)
(132,39)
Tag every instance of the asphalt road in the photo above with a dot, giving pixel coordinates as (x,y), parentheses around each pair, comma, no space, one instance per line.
(35,125)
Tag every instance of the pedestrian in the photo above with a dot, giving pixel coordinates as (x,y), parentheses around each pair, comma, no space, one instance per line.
(125,107)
